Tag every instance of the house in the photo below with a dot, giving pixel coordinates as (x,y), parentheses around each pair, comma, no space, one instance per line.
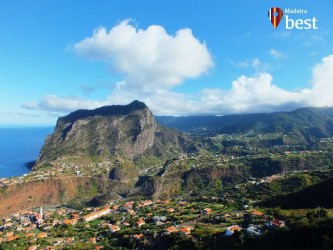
(159,218)
(114,228)
(7,224)
(146,203)
(128,205)
(140,222)
(170,210)
(49,248)
(257,213)
(97,214)
(186,230)
(115,207)
(34,247)
(159,223)
(9,233)
(69,240)
(12,237)
(237,213)
(277,223)
(207,210)
(59,241)
(138,236)
(232,229)
(131,212)
(253,230)
(41,235)
(70,222)
(75,216)
(182,203)
(55,222)
(61,211)
(30,235)
(170,230)
(28,229)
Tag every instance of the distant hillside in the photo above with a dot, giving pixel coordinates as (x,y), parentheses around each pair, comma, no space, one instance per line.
(309,123)
(112,133)
(318,195)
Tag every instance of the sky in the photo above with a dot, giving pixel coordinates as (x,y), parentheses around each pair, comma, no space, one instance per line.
(179,57)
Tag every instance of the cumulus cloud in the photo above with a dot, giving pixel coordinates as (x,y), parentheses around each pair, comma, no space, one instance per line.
(321,92)
(151,58)
(246,95)
(259,94)
(250,94)
(63,104)
(152,62)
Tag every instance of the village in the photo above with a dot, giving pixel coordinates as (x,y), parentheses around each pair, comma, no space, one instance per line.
(140,221)
(227,213)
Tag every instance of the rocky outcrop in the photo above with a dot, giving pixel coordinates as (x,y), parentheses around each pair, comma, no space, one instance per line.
(37,193)
(114,132)
(126,137)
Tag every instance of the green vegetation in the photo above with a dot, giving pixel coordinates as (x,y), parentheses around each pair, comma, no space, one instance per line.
(235,168)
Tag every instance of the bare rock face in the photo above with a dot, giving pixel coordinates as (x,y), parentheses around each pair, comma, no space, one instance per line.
(126,132)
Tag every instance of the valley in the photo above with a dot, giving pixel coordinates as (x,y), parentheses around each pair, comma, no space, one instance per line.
(241,185)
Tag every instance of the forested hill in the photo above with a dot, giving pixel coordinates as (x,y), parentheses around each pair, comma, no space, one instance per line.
(308,122)
(318,195)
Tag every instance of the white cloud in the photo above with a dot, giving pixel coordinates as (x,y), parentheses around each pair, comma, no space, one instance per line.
(276,54)
(153,62)
(149,59)
(321,92)
(55,103)
(259,94)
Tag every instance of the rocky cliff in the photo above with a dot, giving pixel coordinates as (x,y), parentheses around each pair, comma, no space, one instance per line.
(109,133)
(53,191)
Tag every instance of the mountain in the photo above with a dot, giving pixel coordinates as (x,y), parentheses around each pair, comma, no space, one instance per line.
(112,133)
(318,195)
(308,123)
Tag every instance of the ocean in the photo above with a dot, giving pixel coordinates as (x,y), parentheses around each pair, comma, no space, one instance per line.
(19,146)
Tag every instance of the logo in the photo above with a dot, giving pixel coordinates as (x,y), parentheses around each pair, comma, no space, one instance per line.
(275,15)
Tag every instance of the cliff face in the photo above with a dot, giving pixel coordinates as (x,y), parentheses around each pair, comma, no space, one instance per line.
(127,138)
(49,192)
(128,132)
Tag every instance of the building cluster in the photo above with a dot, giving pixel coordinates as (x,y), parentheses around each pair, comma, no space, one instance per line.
(34,225)
(255,230)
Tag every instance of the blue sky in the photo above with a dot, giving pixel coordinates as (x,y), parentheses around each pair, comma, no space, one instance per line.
(180,57)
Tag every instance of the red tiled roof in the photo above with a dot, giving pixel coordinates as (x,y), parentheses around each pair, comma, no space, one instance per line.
(12,237)
(138,236)
(140,222)
(257,213)
(42,235)
(234,228)
(171,229)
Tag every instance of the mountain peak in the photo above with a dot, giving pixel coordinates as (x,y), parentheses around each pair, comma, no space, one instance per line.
(120,131)
(103,111)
